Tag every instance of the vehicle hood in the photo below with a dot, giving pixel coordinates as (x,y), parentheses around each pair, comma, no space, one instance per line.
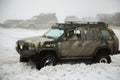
(36,39)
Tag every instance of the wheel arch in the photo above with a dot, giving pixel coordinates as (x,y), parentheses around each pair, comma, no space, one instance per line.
(47,52)
(102,49)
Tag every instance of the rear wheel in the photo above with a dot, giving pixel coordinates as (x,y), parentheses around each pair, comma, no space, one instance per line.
(102,58)
(23,59)
(47,60)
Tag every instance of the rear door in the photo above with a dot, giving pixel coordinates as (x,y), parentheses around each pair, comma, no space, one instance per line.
(90,43)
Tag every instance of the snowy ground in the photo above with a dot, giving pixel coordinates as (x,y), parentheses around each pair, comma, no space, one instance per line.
(11,69)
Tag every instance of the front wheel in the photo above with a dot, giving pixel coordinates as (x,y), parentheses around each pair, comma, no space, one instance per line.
(47,60)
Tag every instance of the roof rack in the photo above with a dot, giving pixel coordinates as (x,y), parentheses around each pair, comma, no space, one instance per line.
(84,22)
(72,24)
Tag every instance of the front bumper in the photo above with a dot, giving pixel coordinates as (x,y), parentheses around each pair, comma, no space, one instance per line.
(25,49)
(25,53)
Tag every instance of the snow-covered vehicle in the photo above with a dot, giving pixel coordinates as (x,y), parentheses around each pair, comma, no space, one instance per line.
(64,41)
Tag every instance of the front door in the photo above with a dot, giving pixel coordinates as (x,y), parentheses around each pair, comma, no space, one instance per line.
(91,42)
(72,45)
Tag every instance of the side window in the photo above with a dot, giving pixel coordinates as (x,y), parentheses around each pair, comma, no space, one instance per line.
(78,34)
(74,35)
(88,34)
(106,35)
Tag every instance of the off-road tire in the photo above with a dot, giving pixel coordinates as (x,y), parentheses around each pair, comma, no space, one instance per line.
(23,59)
(102,58)
(42,61)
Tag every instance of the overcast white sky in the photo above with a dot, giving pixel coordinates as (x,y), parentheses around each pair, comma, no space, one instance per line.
(25,9)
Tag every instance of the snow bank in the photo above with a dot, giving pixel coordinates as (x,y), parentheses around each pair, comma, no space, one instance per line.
(117,32)
(81,71)
(12,69)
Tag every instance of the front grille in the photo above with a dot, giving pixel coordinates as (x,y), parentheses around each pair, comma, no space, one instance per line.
(25,47)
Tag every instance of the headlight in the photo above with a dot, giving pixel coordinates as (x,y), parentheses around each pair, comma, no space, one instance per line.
(21,46)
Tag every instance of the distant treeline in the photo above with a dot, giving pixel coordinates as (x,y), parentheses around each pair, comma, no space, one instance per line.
(36,22)
(46,20)
(111,19)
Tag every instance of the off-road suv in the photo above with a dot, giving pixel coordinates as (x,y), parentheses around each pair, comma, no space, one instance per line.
(66,41)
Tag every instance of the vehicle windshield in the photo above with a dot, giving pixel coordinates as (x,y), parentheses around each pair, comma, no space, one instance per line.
(54,33)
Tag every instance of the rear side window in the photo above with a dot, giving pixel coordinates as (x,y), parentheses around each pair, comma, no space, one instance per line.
(106,35)
(88,34)
(95,35)
(91,35)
